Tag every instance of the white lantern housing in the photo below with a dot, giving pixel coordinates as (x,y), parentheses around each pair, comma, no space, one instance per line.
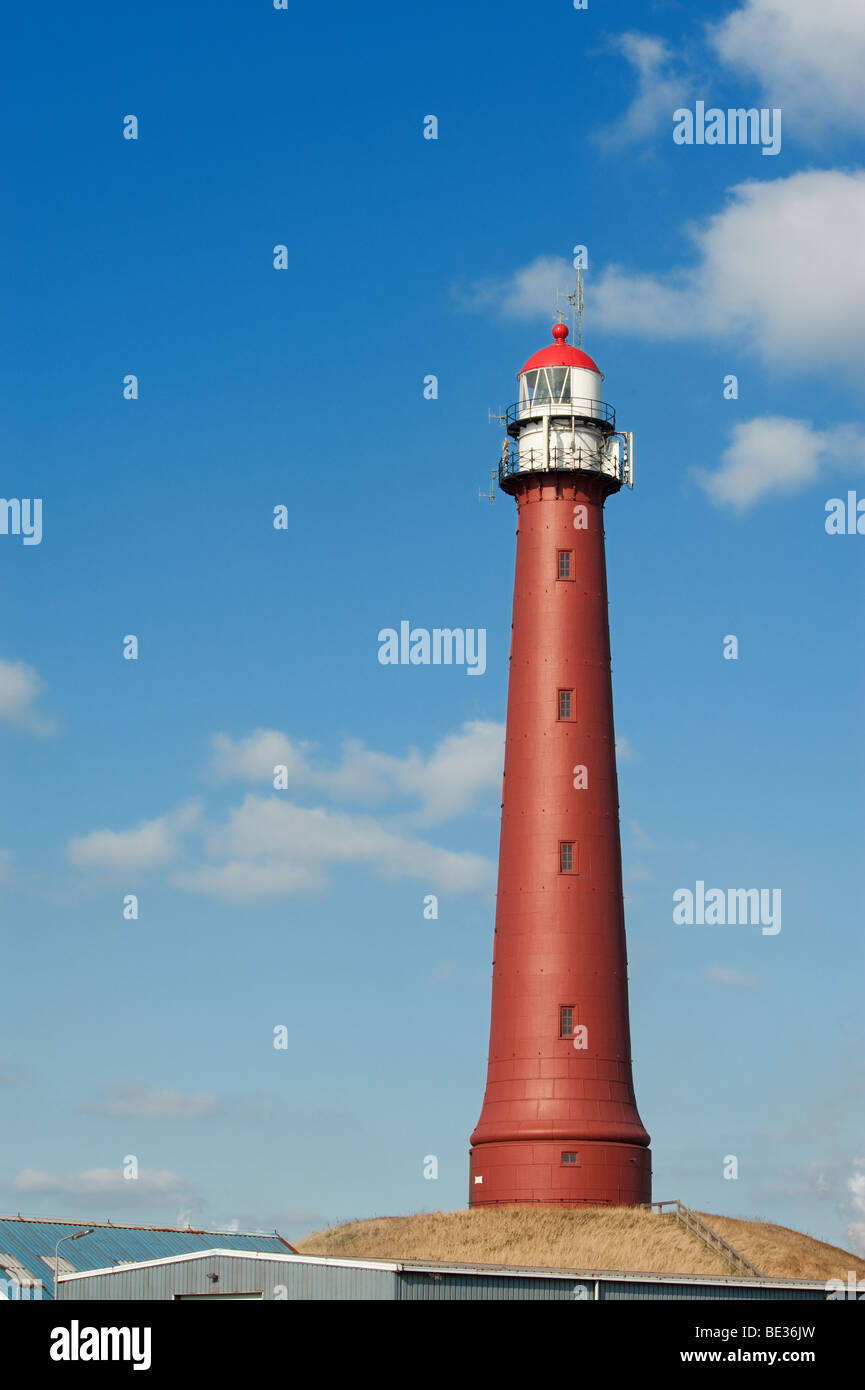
(560,424)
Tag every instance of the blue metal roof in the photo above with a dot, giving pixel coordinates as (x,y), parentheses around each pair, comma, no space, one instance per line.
(26,1239)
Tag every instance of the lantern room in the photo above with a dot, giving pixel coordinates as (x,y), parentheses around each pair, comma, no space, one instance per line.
(560,374)
(560,422)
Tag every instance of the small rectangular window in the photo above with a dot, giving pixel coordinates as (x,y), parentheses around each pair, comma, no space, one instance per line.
(570,1160)
(566,857)
(566,704)
(565,564)
(566,1021)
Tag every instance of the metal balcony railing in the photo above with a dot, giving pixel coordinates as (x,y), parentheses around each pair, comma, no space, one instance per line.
(579,407)
(561,459)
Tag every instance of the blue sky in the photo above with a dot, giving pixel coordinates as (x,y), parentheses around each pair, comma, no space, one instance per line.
(304,388)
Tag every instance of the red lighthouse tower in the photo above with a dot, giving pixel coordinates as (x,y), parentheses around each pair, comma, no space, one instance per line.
(559,1121)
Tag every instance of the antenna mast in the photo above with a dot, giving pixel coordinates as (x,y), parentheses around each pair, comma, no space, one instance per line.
(575,299)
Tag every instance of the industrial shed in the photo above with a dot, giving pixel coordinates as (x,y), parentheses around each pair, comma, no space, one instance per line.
(28,1245)
(237,1274)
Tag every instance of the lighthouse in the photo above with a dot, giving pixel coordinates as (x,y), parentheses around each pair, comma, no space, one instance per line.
(559,1122)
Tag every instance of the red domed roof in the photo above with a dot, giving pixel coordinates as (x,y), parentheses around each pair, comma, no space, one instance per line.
(561,354)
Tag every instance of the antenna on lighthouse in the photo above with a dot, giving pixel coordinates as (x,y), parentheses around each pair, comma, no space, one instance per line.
(491,495)
(575,299)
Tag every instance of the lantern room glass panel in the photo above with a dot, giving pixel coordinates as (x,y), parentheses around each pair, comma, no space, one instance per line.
(559,383)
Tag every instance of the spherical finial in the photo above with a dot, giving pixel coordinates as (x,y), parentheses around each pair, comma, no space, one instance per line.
(560,332)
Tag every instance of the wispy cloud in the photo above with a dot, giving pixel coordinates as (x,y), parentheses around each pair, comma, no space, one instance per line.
(461,769)
(843,1183)
(642,838)
(150,845)
(269,848)
(106,1182)
(775,454)
(807,58)
(855,1203)
(274,846)
(753,281)
(725,975)
(638,873)
(137,1100)
(625,753)
(525,293)
(20,688)
(662,86)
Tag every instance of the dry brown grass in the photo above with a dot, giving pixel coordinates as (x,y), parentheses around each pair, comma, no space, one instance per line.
(580,1238)
(784,1254)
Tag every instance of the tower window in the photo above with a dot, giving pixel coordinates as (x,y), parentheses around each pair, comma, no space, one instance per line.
(570,1160)
(566,564)
(566,857)
(566,704)
(566,1021)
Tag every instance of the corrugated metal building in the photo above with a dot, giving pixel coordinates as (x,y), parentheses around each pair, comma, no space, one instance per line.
(28,1243)
(232,1274)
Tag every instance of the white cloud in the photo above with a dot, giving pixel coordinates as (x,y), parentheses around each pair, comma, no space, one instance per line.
(461,768)
(778,271)
(524,294)
(20,687)
(624,751)
(366,776)
(776,454)
(104,1181)
(642,838)
(140,1101)
(724,975)
(152,844)
(638,873)
(270,847)
(855,1203)
(253,758)
(842,1181)
(242,880)
(660,90)
(808,58)
(844,1184)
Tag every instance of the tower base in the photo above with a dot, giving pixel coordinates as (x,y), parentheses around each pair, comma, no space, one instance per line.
(604,1174)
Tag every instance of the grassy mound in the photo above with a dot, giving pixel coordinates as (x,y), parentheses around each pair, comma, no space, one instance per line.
(608,1238)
